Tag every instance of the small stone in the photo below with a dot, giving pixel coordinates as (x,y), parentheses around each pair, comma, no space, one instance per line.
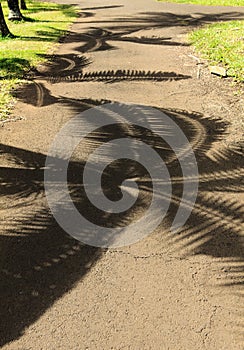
(218,71)
(52,286)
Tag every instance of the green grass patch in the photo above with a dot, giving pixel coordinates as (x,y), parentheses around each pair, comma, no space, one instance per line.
(34,38)
(222,44)
(209,2)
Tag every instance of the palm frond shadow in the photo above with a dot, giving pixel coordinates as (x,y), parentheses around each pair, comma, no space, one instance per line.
(102,7)
(70,68)
(129,28)
(112,76)
(167,19)
(46,262)
(60,66)
(100,39)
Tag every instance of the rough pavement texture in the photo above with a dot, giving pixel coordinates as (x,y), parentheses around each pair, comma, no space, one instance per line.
(168,291)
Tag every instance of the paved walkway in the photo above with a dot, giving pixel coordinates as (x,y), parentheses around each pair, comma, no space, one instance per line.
(165,292)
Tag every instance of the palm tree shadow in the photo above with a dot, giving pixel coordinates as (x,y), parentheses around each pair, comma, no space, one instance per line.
(39,262)
(129,28)
(42,266)
(45,262)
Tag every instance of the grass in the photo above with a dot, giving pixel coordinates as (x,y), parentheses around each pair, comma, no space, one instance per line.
(222,44)
(34,38)
(209,2)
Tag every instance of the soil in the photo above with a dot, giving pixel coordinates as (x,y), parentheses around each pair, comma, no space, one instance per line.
(168,291)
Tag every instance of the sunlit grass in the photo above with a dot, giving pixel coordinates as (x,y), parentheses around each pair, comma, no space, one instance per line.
(222,43)
(33,39)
